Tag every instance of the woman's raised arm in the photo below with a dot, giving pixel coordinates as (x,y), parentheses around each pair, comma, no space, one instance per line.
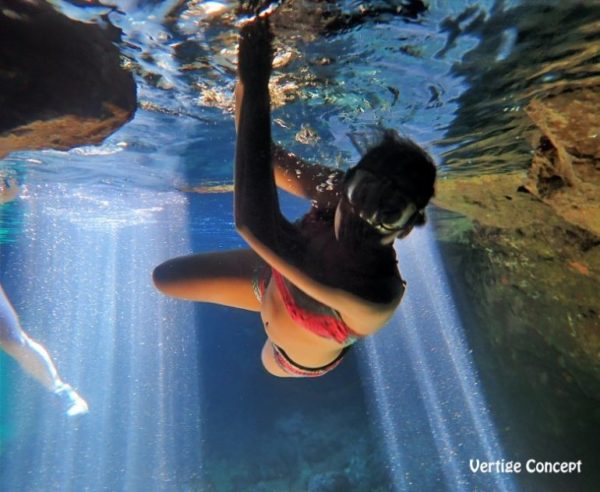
(256,205)
(295,175)
(258,217)
(304,179)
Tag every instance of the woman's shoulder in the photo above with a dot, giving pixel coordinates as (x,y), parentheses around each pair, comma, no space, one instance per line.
(369,275)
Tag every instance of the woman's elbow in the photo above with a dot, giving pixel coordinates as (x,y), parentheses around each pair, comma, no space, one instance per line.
(243,225)
(238,220)
(245,233)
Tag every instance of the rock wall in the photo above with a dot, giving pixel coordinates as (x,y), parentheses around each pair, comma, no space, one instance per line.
(523,254)
(61,81)
(541,230)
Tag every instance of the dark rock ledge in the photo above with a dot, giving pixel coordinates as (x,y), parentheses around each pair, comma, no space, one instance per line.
(61,81)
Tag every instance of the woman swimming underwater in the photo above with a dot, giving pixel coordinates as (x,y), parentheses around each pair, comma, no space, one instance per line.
(331,278)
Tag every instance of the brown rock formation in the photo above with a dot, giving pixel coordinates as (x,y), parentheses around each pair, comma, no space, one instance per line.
(61,83)
(533,243)
(564,170)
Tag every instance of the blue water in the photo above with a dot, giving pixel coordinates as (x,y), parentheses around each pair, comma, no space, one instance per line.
(179,400)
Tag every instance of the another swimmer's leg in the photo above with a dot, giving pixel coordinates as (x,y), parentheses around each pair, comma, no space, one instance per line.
(35,359)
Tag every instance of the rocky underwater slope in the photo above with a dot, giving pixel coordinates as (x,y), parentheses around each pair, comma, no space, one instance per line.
(523,251)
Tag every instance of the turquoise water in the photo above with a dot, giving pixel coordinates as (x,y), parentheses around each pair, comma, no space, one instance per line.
(178,398)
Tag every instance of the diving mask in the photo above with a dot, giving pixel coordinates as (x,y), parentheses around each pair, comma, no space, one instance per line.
(378,201)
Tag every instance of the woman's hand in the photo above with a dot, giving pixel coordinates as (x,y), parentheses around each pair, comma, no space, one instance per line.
(255,56)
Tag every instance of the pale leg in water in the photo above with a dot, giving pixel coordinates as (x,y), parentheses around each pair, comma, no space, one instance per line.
(34,359)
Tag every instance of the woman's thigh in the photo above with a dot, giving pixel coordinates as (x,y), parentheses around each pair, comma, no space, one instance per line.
(223,277)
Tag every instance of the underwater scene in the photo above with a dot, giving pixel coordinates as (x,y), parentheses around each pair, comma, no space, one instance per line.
(118,153)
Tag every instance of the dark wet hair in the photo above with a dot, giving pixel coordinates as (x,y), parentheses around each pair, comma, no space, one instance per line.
(405,163)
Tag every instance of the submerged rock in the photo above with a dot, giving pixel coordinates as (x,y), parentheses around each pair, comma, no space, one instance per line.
(522,251)
(564,170)
(61,81)
(540,232)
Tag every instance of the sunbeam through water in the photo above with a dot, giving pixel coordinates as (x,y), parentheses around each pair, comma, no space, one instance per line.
(81,273)
(420,366)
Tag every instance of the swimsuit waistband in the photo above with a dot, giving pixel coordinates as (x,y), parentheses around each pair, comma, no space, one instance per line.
(289,366)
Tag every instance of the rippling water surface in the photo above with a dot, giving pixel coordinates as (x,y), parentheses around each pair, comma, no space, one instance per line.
(455,77)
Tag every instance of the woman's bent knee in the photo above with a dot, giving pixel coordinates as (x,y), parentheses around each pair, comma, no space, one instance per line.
(168,276)
(220,277)
(162,276)
(183,279)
